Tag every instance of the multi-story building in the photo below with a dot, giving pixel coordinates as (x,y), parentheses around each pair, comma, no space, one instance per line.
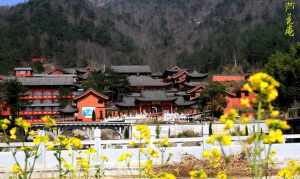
(45,94)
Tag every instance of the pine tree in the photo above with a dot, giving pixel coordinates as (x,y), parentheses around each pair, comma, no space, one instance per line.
(94,116)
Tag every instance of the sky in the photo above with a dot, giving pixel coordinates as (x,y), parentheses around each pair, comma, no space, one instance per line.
(10,2)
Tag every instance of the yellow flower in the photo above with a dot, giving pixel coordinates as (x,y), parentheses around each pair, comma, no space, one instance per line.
(37,140)
(290,171)
(91,150)
(264,85)
(4,126)
(76,142)
(124,156)
(19,121)
(245,102)
(16,169)
(272,95)
(247,88)
(226,140)
(68,166)
(213,156)
(211,139)
(167,176)
(228,125)
(5,123)
(244,119)
(223,139)
(221,175)
(206,154)
(148,167)
(274,136)
(275,113)
(13,133)
(198,174)
(83,163)
(26,125)
(104,158)
(216,154)
(132,143)
(144,132)
(32,133)
(152,152)
(49,122)
(231,115)
(277,124)
(285,173)
(50,145)
(164,142)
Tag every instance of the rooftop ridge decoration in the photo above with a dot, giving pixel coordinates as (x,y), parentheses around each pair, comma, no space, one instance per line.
(91,91)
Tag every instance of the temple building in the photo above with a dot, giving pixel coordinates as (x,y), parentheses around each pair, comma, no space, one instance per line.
(132,70)
(88,103)
(140,83)
(45,94)
(234,91)
(59,93)
(153,101)
(183,79)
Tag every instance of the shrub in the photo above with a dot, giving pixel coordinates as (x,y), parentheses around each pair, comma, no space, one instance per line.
(187,133)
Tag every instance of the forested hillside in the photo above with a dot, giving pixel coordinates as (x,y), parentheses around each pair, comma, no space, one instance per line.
(201,34)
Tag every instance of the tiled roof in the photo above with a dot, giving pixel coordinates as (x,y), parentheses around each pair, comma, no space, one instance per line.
(128,101)
(47,80)
(179,73)
(157,74)
(93,92)
(194,84)
(22,68)
(222,78)
(145,81)
(69,70)
(173,69)
(181,93)
(180,101)
(68,109)
(131,69)
(155,95)
(196,74)
(43,105)
(196,88)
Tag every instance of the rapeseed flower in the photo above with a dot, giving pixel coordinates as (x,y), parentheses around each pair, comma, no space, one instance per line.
(5,123)
(166,176)
(198,174)
(104,158)
(245,102)
(76,143)
(152,152)
(49,122)
(223,139)
(244,119)
(124,156)
(17,169)
(274,136)
(12,133)
(277,124)
(221,175)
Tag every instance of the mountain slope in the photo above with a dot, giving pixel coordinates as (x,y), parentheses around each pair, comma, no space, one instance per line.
(202,34)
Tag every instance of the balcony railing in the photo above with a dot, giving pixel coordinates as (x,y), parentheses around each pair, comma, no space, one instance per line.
(38,112)
(47,97)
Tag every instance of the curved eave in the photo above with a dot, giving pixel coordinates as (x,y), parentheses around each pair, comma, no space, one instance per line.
(155,100)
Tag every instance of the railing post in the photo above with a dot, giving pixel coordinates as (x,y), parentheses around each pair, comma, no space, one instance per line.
(97,141)
(42,151)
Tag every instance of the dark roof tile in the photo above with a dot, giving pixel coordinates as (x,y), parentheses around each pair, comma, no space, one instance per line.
(131,69)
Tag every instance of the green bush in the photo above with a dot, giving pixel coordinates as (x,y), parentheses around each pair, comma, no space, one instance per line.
(187,133)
